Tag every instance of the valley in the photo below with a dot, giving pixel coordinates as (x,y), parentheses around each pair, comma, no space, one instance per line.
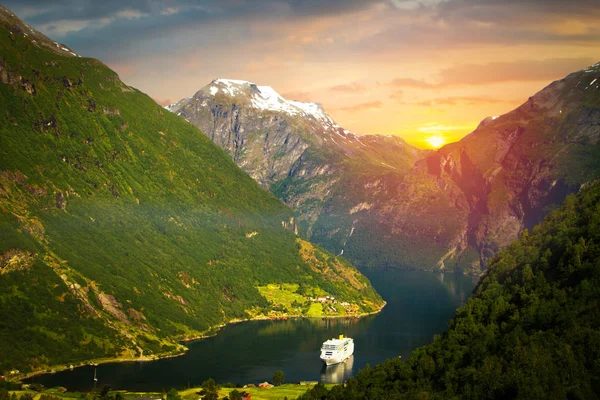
(148,243)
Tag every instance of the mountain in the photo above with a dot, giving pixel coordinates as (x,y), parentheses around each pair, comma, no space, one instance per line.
(124,229)
(382,203)
(470,199)
(329,175)
(531,329)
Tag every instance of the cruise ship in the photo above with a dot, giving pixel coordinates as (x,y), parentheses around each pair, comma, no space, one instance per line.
(335,351)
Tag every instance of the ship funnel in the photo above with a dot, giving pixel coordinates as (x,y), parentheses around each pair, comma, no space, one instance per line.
(341,337)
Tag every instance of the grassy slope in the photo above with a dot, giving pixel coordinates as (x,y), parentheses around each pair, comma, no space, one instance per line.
(123,228)
(531,330)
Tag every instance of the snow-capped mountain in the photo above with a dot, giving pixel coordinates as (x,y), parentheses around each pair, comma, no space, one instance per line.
(298,152)
(264,99)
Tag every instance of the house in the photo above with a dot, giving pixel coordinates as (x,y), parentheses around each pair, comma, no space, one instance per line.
(265,385)
(322,299)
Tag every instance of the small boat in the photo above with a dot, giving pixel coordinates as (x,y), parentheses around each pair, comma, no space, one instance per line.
(335,351)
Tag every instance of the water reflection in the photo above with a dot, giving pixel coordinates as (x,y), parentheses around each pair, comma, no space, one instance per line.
(337,373)
(419,306)
(455,284)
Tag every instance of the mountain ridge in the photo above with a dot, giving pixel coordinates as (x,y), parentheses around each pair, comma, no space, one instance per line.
(438,209)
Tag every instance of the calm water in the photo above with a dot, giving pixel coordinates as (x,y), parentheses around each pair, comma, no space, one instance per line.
(419,305)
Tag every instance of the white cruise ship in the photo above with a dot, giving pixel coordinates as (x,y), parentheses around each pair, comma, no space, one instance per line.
(335,351)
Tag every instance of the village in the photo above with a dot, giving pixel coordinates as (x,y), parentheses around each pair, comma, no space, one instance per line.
(330,304)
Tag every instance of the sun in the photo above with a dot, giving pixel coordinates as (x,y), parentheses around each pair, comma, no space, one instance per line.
(436,141)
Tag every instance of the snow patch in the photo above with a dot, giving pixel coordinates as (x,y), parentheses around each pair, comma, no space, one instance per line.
(267,99)
(213,90)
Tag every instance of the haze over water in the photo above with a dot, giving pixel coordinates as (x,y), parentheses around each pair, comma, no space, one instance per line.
(419,305)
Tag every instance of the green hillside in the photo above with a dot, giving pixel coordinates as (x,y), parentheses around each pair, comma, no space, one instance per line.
(123,228)
(531,330)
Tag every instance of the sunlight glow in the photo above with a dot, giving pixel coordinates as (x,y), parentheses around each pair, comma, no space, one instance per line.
(436,141)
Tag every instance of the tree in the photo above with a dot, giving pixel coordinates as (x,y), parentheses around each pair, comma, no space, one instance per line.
(278,378)
(173,395)
(210,390)
(235,395)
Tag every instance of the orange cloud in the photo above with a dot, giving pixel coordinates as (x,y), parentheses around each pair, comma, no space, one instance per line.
(364,106)
(351,88)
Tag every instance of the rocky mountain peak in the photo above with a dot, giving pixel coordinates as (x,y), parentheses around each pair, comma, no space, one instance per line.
(259,98)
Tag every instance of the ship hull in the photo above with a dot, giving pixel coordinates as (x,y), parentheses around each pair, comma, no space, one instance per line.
(334,361)
(338,355)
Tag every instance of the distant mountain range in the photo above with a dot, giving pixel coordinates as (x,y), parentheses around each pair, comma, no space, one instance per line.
(383,203)
(124,229)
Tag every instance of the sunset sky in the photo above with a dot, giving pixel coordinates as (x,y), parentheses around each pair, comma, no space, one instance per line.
(414,68)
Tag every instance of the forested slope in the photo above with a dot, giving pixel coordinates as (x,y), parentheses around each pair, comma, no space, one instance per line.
(531,330)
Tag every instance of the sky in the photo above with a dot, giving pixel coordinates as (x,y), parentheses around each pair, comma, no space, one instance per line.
(420,69)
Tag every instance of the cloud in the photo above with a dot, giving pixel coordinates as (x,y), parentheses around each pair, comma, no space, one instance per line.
(437,128)
(412,83)
(498,72)
(457,100)
(397,95)
(516,10)
(517,71)
(363,106)
(54,10)
(170,11)
(348,88)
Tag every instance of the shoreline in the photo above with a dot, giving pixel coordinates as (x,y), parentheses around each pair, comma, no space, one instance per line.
(155,357)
